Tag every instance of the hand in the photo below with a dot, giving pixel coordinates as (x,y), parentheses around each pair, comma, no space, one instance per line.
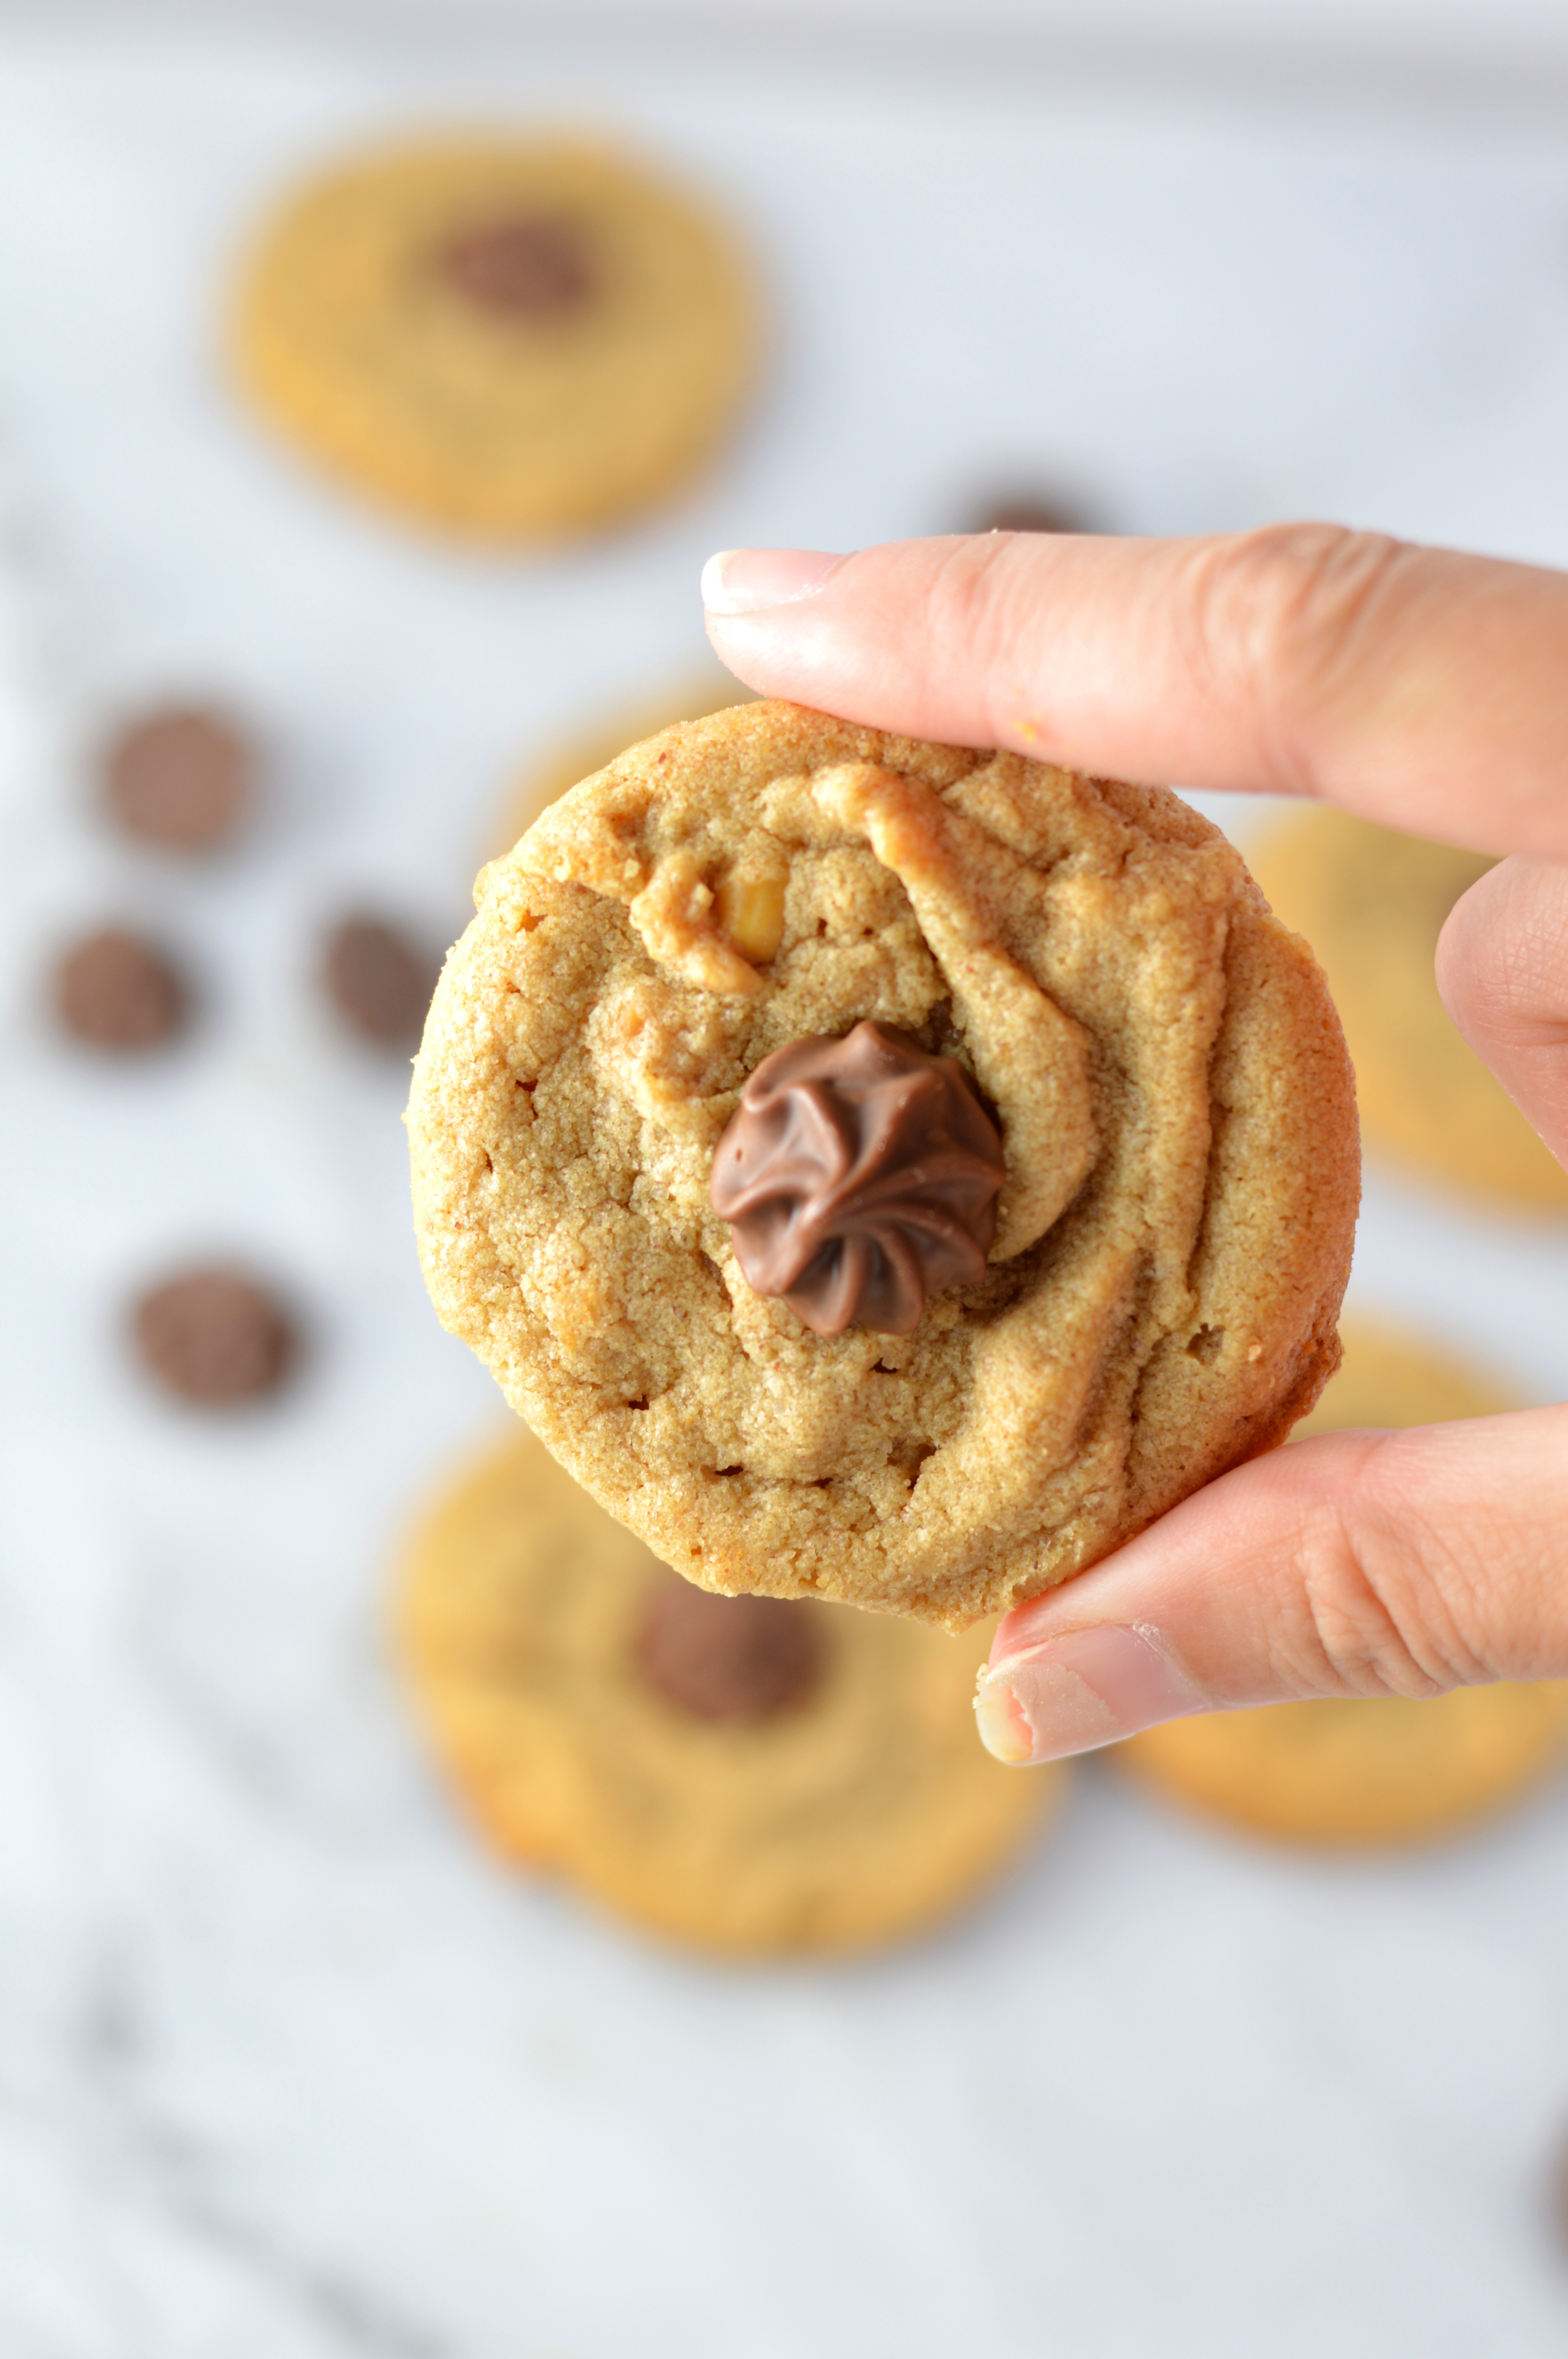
(1422,689)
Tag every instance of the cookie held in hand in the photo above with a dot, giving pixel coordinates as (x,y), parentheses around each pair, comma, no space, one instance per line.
(742,1774)
(1148,1296)
(572,756)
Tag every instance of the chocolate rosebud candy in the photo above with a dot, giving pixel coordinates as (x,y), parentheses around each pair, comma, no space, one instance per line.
(534,267)
(734,1659)
(379,981)
(118,992)
(181,777)
(858,1177)
(214,1337)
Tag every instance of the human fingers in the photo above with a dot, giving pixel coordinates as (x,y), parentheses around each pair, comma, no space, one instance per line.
(1356,1564)
(1419,687)
(1502,969)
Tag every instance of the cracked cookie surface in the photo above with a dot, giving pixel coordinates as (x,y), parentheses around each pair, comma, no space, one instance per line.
(1175,1220)
(855,1807)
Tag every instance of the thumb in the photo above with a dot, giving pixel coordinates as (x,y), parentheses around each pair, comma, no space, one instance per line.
(1502,969)
(1355,1564)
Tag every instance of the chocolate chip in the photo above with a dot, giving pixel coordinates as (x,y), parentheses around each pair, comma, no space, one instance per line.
(729,1658)
(181,777)
(1031,511)
(214,1337)
(379,981)
(532,266)
(115,991)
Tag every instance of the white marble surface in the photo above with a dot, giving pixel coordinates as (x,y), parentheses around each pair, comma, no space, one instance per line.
(285,2067)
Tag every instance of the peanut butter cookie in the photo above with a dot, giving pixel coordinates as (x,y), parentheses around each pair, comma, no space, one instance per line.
(509,338)
(805,1329)
(1381,1770)
(587,749)
(1372,904)
(744,1775)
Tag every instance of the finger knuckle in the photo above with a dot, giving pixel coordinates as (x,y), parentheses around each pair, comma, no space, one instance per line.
(1383,1616)
(972,592)
(1286,622)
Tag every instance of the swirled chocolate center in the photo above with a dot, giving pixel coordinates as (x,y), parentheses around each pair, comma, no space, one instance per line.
(532,267)
(858,1176)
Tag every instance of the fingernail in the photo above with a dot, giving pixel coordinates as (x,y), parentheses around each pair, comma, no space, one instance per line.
(1085,1688)
(739,580)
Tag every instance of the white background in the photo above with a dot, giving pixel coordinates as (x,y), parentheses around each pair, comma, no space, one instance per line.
(1506,40)
(285,2067)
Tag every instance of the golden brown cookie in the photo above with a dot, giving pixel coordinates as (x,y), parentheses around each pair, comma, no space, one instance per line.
(508,337)
(1157,1282)
(741,1774)
(590,749)
(1383,1770)
(1372,904)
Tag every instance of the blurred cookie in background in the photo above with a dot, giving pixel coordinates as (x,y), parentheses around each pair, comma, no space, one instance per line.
(1365,1774)
(508,338)
(181,777)
(752,1775)
(378,980)
(1372,904)
(584,752)
(1390,1377)
(115,989)
(1382,1771)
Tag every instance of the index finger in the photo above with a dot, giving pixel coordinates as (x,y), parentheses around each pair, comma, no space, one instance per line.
(1419,687)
